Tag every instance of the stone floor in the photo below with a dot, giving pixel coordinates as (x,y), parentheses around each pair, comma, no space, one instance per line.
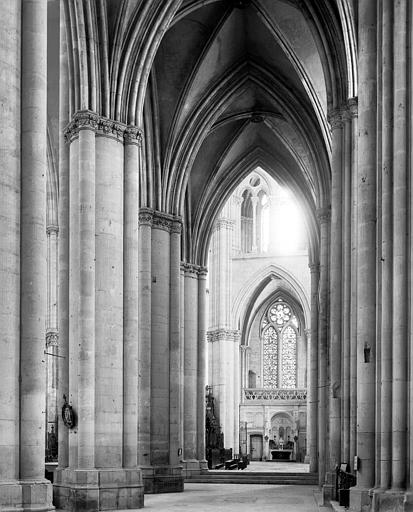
(236,498)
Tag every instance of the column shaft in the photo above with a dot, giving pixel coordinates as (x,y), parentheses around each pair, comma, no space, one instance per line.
(191,362)
(10,190)
(33,239)
(109,303)
(132,159)
(176,388)
(322,343)
(201,364)
(145,363)
(366,247)
(386,244)
(353,291)
(346,308)
(160,254)
(400,276)
(335,391)
(312,382)
(86,340)
(73,286)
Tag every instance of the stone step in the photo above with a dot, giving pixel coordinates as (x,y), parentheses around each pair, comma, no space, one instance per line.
(231,477)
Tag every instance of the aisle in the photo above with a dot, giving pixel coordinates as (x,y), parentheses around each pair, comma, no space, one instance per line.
(235,498)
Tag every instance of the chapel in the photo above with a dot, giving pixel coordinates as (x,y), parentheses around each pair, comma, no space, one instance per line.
(206,247)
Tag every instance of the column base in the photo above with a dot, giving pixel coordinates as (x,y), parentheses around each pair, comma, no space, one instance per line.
(30,495)
(161,479)
(408,501)
(387,501)
(193,467)
(329,489)
(360,499)
(98,489)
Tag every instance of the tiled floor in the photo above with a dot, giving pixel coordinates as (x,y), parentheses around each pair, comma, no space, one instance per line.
(235,498)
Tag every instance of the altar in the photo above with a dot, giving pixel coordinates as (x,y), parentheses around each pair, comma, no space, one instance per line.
(281,454)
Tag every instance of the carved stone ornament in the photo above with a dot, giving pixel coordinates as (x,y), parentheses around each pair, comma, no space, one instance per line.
(323,215)
(145,216)
(162,221)
(133,135)
(52,339)
(335,118)
(223,335)
(68,414)
(88,120)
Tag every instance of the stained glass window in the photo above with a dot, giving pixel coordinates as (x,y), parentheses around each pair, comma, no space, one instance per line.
(270,352)
(289,358)
(279,336)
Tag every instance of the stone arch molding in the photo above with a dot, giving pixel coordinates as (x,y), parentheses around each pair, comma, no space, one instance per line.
(254,286)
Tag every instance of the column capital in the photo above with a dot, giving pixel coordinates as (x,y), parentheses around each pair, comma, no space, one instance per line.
(245,348)
(324,215)
(145,216)
(52,339)
(335,118)
(176,225)
(223,335)
(52,228)
(162,221)
(133,135)
(89,120)
(224,223)
(352,105)
(314,268)
(190,270)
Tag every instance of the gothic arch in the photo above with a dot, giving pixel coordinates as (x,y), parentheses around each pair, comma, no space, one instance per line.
(245,306)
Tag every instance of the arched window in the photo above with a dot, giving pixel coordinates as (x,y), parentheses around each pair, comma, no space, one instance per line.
(246,222)
(279,340)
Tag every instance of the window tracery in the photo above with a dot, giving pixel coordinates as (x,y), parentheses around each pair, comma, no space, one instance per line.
(279,340)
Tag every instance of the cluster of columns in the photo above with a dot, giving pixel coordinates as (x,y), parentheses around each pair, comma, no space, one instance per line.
(332,380)
(98,314)
(23,296)
(364,364)
(223,339)
(172,352)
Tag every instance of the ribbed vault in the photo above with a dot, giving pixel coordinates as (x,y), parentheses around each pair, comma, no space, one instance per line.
(239,84)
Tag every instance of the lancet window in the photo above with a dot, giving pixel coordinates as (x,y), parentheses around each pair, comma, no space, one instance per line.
(279,346)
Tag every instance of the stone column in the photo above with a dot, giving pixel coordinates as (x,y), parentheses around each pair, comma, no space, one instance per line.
(23,30)
(52,336)
(346,287)
(353,284)
(201,377)
(132,165)
(312,372)
(110,342)
(144,378)
(366,256)
(159,255)
(191,367)
(401,178)
(385,247)
(63,248)
(176,386)
(324,220)
(335,391)
(10,190)
(98,474)
(33,240)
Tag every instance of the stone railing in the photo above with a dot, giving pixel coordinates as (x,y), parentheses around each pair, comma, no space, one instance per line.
(275,394)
